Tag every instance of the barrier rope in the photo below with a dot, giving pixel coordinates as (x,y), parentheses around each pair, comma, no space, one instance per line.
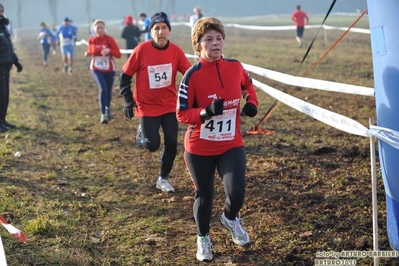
(256,129)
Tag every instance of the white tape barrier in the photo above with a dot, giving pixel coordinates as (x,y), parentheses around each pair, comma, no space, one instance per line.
(126,51)
(268,28)
(338,121)
(309,83)
(330,118)
(191,56)
(123,51)
(82,41)
(3,261)
(387,135)
(358,30)
(277,28)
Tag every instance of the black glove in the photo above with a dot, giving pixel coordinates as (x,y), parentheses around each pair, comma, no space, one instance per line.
(4,21)
(215,108)
(19,66)
(128,109)
(250,110)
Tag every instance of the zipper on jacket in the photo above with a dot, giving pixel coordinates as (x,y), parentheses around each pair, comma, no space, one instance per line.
(220,78)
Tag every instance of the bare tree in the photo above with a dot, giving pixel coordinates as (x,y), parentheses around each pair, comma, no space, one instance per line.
(53,10)
(88,11)
(167,6)
(171,7)
(158,5)
(134,11)
(19,11)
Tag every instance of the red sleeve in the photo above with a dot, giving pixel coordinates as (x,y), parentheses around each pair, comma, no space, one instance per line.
(131,66)
(90,47)
(249,89)
(186,112)
(190,115)
(114,49)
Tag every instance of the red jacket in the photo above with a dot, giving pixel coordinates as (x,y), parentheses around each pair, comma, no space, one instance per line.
(203,83)
(155,91)
(99,62)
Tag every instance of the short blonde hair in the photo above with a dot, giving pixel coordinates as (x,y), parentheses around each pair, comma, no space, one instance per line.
(98,21)
(203,25)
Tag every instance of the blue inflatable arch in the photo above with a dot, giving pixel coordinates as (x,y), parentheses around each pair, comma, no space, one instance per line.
(384,29)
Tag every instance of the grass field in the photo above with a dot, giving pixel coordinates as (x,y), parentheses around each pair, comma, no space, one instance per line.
(84,194)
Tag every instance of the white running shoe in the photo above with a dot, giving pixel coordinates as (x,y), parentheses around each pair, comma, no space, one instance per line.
(238,233)
(104,119)
(163,184)
(204,248)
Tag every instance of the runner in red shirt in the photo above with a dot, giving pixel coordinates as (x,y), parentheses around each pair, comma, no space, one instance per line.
(102,49)
(301,19)
(155,64)
(209,101)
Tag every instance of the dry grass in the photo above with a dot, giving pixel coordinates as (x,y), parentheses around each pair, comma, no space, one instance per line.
(85,195)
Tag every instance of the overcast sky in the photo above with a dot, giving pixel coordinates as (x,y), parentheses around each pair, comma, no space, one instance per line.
(29,13)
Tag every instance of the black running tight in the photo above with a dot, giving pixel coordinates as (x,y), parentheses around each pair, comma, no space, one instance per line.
(150,128)
(231,167)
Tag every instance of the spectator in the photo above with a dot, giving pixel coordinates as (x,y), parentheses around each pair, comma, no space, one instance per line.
(7,58)
(131,33)
(193,18)
(146,26)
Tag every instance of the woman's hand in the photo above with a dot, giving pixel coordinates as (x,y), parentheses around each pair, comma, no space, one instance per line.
(105,51)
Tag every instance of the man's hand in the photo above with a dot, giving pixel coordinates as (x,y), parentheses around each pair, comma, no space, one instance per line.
(128,109)
(19,66)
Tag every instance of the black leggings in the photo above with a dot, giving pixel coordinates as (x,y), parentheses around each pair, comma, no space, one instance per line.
(231,167)
(170,127)
(4,91)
